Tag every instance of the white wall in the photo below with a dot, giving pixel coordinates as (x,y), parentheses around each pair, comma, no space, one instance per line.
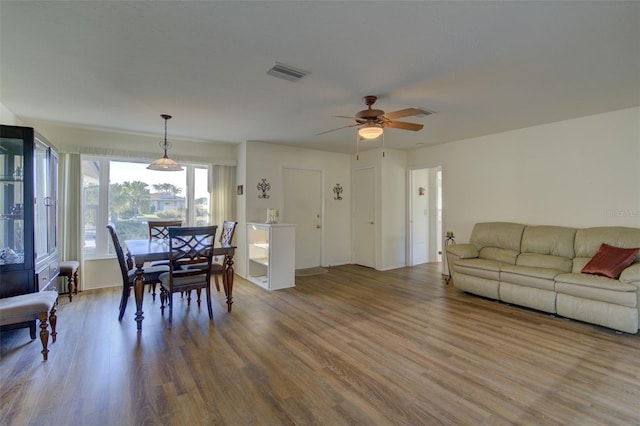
(267,161)
(7,117)
(581,172)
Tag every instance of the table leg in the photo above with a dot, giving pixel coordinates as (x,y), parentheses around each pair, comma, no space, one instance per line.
(138,291)
(227,280)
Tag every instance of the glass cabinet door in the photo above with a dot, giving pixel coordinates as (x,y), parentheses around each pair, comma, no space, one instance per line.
(46,187)
(12,161)
(52,201)
(41,185)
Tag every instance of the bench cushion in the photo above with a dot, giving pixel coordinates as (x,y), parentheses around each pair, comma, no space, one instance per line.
(26,304)
(69,267)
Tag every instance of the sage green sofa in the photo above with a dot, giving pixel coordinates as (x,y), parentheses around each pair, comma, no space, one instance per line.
(539,267)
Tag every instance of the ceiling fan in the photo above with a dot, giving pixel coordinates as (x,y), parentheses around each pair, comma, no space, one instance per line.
(372,121)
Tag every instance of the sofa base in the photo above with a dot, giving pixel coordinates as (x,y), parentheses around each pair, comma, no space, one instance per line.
(618,317)
(534,298)
(476,285)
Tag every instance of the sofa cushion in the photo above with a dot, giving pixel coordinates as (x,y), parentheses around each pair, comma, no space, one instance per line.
(595,287)
(549,240)
(504,237)
(631,274)
(463,251)
(610,261)
(498,255)
(483,268)
(589,240)
(540,278)
(579,263)
(546,261)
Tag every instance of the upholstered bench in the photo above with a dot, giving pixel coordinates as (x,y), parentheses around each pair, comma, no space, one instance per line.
(69,269)
(31,306)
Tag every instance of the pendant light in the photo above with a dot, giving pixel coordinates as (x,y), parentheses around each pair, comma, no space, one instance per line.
(165,163)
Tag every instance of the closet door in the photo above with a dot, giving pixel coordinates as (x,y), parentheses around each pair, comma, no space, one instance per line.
(364,226)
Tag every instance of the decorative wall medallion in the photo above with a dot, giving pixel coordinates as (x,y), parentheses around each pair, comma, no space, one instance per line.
(337,190)
(263,186)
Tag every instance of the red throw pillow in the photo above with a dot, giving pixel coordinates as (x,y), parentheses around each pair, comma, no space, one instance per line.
(610,261)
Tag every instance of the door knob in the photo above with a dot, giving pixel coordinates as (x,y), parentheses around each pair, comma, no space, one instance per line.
(371,223)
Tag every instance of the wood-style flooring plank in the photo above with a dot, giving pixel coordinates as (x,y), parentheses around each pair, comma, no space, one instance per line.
(352,346)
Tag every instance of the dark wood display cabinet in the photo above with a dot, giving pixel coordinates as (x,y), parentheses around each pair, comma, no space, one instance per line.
(28,214)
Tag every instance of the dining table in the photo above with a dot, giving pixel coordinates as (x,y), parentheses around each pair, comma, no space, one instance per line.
(147,250)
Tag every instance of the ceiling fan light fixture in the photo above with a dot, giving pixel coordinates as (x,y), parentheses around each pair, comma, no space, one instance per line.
(165,164)
(370,131)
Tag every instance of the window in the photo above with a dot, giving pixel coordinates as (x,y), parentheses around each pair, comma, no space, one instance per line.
(128,195)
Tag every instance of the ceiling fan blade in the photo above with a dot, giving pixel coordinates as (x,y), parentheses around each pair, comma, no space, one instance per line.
(343,127)
(346,116)
(403,125)
(407,112)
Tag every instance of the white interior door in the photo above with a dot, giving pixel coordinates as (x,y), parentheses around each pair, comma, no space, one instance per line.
(364,240)
(303,207)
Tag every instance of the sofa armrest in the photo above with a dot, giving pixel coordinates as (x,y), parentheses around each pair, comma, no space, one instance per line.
(463,251)
(631,275)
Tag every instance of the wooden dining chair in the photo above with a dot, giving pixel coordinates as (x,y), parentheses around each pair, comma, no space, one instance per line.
(128,272)
(160,228)
(188,246)
(217,265)
(226,236)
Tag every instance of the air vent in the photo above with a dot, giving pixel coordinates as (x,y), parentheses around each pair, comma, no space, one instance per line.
(286,72)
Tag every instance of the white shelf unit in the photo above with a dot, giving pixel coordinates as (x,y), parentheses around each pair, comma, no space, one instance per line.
(271,258)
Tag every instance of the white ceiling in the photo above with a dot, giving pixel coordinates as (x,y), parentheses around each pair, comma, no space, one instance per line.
(483,67)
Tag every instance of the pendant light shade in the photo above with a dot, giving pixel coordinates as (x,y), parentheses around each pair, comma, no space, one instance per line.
(370,131)
(165,163)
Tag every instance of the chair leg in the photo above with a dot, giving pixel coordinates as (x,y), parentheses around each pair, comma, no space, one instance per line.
(163,298)
(70,286)
(53,321)
(32,330)
(123,301)
(76,282)
(198,292)
(209,302)
(153,295)
(170,306)
(215,277)
(44,334)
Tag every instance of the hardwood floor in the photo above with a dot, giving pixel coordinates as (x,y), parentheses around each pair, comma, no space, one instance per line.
(352,346)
